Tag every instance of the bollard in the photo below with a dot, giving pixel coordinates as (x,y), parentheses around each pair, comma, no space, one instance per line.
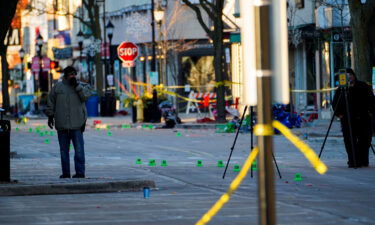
(4,148)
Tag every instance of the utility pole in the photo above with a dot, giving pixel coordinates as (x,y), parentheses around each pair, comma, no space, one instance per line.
(262,19)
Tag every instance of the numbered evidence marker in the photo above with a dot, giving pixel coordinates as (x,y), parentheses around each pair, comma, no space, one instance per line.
(236,168)
(220,163)
(138,161)
(199,163)
(297,177)
(152,162)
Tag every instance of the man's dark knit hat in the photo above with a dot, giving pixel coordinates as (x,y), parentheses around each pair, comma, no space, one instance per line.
(69,70)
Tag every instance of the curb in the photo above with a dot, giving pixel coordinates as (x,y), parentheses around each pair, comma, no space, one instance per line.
(159,126)
(82,188)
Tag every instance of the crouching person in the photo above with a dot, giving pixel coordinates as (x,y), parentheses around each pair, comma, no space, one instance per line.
(66,111)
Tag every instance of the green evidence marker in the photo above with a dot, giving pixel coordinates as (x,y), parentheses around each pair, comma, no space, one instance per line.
(17,129)
(297,177)
(220,163)
(178,134)
(152,162)
(46,141)
(199,163)
(254,166)
(236,168)
(52,133)
(30,130)
(109,133)
(164,163)
(138,161)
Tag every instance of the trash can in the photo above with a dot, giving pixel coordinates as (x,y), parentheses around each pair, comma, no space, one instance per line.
(92,106)
(108,105)
(4,148)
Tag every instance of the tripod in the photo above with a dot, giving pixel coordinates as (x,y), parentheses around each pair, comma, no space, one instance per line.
(251,133)
(343,90)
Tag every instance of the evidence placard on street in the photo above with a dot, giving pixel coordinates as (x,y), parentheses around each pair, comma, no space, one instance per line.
(128,53)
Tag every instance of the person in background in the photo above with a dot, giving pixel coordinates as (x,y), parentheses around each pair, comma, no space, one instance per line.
(361,106)
(66,111)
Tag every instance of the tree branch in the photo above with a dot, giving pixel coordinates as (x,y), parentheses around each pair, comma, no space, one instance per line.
(199,17)
(208,8)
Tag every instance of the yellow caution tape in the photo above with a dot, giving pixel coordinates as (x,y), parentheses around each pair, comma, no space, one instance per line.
(263,130)
(214,84)
(314,91)
(319,166)
(232,187)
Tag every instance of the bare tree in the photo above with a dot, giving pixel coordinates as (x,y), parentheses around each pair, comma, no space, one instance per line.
(214,10)
(362,22)
(91,20)
(7,11)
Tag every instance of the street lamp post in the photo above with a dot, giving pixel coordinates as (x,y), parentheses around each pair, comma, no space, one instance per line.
(80,38)
(153,63)
(110,28)
(22,55)
(159,15)
(39,44)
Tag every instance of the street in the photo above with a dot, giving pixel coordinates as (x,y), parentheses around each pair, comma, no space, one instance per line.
(184,191)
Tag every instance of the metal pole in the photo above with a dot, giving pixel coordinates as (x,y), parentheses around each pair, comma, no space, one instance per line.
(161,75)
(40,67)
(153,63)
(264,116)
(105,48)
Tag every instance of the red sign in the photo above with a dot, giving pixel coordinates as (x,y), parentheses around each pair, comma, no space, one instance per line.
(127,52)
(104,50)
(45,64)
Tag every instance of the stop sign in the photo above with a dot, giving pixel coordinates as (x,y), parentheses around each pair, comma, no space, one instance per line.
(127,51)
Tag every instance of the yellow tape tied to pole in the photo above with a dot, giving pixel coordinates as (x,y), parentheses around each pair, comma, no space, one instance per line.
(263,130)
(232,187)
(319,166)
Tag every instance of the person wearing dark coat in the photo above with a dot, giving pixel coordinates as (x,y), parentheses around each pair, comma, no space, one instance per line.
(359,110)
(66,111)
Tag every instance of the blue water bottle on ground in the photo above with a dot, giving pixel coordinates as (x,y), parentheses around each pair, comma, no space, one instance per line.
(146,192)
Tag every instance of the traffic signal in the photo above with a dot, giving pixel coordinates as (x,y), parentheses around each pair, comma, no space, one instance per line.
(54,64)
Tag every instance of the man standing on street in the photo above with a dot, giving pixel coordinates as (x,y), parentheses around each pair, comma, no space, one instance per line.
(360,104)
(67,111)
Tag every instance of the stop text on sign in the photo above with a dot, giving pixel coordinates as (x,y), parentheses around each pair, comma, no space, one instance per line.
(127,52)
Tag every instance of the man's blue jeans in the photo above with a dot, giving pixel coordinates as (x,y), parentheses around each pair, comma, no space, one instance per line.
(79,156)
